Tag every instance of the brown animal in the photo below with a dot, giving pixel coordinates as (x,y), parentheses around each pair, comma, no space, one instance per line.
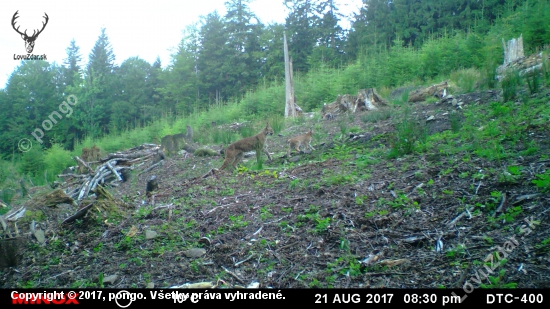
(234,152)
(167,144)
(171,144)
(189,134)
(297,141)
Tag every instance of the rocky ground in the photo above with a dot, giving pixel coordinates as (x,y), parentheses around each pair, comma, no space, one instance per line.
(344,215)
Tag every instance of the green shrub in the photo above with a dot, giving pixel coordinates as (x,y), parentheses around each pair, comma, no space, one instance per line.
(32,162)
(510,84)
(56,160)
(408,133)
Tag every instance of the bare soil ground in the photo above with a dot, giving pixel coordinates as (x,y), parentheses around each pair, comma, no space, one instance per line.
(340,216)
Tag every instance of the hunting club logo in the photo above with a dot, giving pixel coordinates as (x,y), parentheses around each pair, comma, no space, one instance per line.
(29,39)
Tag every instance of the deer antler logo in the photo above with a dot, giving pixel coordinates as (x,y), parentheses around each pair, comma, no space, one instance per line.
(29,40)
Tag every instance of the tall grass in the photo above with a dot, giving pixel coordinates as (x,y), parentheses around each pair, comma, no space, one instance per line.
(466,79)
(277,123)
(409,134)
(510,84)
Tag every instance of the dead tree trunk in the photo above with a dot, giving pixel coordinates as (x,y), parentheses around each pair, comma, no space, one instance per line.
(290,109)
(513,50)
(515,60)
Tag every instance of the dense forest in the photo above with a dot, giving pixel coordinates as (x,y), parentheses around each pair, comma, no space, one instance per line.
(232,58)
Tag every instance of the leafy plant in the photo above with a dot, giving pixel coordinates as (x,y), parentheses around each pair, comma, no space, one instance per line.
(498,282)
(408,133)
(543,247)
(376,115)
(237,221)
(543,181)
(511,214)
(457,251)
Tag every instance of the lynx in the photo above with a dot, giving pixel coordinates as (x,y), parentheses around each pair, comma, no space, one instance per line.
(297,141)
(171,144)
(189,134)
(234,152)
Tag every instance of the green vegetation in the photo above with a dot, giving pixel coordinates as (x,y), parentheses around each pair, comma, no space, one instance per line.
(466,162)
(463,57)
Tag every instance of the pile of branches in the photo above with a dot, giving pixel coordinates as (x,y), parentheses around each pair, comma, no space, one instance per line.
(110,170)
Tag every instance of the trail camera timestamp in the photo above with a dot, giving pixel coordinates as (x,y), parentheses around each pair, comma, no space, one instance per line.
(354,298)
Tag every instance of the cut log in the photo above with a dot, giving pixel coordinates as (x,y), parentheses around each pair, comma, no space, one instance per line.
(79,214)
(110,166)
(438,91)
(51,199)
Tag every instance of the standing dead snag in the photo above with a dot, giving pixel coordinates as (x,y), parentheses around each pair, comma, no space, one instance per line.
(513,50)
(515,60)
(291,108)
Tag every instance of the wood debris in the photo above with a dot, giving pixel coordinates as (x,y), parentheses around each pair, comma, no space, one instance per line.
(109,170)
(365,100)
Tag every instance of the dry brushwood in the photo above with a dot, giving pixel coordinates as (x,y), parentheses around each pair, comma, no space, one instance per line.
(111,169)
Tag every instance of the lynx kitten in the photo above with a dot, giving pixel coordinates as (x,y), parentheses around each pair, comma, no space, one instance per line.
(235,152)
(297,141)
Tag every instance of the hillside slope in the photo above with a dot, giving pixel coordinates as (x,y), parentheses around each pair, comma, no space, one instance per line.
(346,215)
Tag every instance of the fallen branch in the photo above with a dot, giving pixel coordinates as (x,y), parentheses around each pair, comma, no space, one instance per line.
(455,220)
(79,214)
(113,170)
(80,161)
(248,258)
(211,210)
(151,167)
(500,206)
(233,274)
